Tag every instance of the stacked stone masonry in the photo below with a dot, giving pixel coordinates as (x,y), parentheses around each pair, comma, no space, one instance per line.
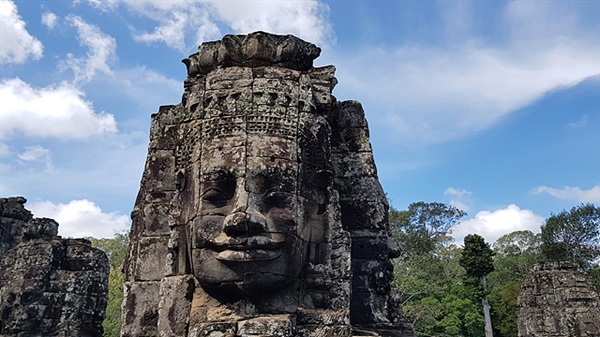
(558,301)
(260,212)
(49,286)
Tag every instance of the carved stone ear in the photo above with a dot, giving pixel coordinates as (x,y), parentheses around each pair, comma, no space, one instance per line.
(322,179)
(180,180)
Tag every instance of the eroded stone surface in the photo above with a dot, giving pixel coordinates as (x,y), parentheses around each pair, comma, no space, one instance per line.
(49,286)
(260,212)
(558,301)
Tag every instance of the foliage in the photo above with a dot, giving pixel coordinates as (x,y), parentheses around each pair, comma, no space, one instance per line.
(423,226)
(115,248)
(434,299)
(503,300)
(573,236)
(477,257)
(595,276)
(516,253)
(517,242)
(438,297)
(429,276)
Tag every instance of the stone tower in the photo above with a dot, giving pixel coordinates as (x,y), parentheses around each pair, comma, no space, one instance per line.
(558,301)
(260,212)
(49,286)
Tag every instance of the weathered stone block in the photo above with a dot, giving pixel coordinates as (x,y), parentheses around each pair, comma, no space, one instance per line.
(364,187)
(557,301)
(272,326)
(140,309)
(151,258)
(355,165)
(322,331)
(364,214)
(159,174)
(350,140)
(348,114)
(157,219)
(49,286)
(174,306)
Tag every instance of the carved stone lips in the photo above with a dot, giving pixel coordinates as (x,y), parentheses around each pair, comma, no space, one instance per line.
(252,248)
(247,255)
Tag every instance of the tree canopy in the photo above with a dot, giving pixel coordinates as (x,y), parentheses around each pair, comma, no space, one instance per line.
(423,226)
(477,259)
(573,235)
(477,256)
(115,248)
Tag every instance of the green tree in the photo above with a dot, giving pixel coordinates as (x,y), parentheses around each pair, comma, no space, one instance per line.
(428,274)
(421,228)
(573,235)
(477,259)
(515,255)
(115,248)
(503,300)
(595,276)
(450,310)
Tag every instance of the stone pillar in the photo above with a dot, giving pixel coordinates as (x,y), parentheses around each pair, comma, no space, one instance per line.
(558,301)
(49,286)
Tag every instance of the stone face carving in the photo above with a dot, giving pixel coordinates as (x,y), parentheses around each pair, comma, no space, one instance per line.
(558,301)
(260,212)
(49,286)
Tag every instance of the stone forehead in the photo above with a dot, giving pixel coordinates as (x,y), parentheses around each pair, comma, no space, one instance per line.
(271,104)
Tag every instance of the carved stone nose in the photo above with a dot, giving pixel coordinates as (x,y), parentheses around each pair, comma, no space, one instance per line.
(241,223)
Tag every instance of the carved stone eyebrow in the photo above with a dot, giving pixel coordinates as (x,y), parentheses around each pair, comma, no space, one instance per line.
(271,179)
(221,180)
(218,175)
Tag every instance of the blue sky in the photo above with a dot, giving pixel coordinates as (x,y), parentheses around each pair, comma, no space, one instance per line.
(491,106)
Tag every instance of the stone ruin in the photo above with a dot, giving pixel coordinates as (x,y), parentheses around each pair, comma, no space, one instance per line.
(49,286)
(260,212)
(558,301)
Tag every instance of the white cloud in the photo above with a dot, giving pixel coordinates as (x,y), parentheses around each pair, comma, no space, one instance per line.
(101,49)
(104,5)
(305,19)
(169,31)
(581,122)
(460,205)
(81,218)
(37,154)
(459,198)
(571,193)
(5,150)
(456,192)
(17,44)
(435,93)
(56,111)
(177,20)
(493,224)
(49,19)
(143,82)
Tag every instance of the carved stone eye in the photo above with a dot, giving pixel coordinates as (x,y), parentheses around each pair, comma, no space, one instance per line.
(277,199)
(215,197)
